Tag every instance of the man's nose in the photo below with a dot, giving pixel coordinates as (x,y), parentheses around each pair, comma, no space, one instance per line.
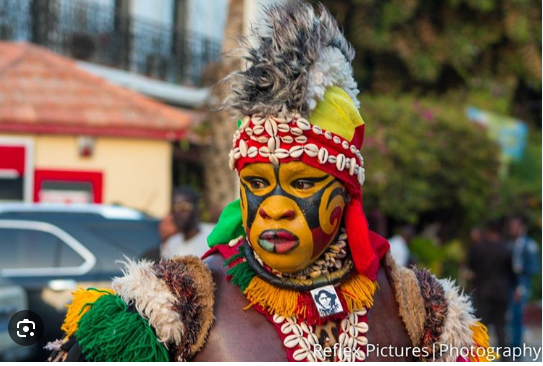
(277,208)
(277,214)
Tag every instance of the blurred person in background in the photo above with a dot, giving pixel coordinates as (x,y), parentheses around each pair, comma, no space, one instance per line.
(399,245)
(191,237)
(525,263)
(490,262)
(166,230)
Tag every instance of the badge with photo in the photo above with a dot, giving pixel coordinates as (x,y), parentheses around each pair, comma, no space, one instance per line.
(326,300)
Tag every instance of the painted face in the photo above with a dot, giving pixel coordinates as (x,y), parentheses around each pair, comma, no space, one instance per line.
(291,213)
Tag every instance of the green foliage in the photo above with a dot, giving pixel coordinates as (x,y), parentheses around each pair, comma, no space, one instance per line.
(423,156)
(444,45)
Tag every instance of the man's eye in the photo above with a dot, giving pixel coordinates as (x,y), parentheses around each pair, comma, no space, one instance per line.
(258,183)
(303,184)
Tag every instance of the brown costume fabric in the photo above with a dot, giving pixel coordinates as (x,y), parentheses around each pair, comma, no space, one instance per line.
(408,296)
(436,310)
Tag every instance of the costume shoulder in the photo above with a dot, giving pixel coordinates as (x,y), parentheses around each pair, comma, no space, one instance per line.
(155,312)
(438,316)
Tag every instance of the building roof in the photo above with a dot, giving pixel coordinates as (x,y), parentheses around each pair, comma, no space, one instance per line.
(42,92)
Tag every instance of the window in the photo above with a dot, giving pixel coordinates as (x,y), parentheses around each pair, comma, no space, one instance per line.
(34,248)
(24,248)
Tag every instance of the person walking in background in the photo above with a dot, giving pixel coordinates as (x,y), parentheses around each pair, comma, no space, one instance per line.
(399,245)
(490,262)
(191,237)
(525,263)
(166,229)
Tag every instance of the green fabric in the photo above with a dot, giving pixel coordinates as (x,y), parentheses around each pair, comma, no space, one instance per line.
(230,225)
(109,332)
(239,122)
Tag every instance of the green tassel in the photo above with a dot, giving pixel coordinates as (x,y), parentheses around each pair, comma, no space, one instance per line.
(109,332)
(242,275)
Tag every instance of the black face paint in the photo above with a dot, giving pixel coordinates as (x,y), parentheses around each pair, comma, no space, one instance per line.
(306,205)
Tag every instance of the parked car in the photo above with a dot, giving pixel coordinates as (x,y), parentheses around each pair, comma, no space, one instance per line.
(50,250)
(12,300)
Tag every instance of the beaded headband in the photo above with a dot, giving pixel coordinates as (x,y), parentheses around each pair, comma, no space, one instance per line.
(270,139)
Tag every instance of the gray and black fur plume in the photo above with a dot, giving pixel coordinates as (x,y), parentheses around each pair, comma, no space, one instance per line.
(293,55)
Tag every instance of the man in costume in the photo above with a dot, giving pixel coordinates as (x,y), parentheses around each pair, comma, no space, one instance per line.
(298,229)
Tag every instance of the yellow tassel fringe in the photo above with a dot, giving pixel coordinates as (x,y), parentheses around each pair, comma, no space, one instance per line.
(482,340)
(358,293)
(77,308)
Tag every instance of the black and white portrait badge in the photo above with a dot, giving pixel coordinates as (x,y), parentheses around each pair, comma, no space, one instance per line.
(326,300)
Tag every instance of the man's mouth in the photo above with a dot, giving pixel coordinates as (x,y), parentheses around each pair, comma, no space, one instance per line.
(278,241)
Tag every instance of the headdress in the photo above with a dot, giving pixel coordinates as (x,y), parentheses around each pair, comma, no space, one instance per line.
(298,101)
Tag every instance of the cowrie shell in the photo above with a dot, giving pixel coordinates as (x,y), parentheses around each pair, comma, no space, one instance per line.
(340,162)
(274,160)
(328,135)
(296,151)
(311,150)
(263,139)
(313,339)
(332,159)
(281,153)
(271,127)
(361,312)
(363,327)
(345,145)
(258,130)
(283,127)
(304,343)
(245,123)
(361,340)
(291,341)
(300,354)
(343,338)
(303,124)
(353,332)
(361,175)
(287,139)
(296,131)
(317,130)
(306,328)
(286,328)
(337,140)
(274,143)
(254,138)
(280,119)
(264,151)
(323,155)
(252,152)
(243,148)
(353,318)
(360,355)
(311,357)
(258,119)
(352,166)
(237,154)
(278,318)
(353,149)
(301,139)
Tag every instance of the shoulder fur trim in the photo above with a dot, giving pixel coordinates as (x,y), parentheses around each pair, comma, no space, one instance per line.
(457,331)
(409,299)
(205,291)
(284,53)
(152,298)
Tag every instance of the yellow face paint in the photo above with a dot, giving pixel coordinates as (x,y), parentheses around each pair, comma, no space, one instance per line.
(291,213)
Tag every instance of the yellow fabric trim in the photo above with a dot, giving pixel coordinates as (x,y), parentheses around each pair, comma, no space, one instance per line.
(337,113)
(77,308)
(482,340)
(358,292)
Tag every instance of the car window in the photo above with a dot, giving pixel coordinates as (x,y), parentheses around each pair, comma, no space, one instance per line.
(26,248)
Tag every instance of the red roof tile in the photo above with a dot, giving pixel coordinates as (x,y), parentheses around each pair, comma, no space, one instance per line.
(42,92)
